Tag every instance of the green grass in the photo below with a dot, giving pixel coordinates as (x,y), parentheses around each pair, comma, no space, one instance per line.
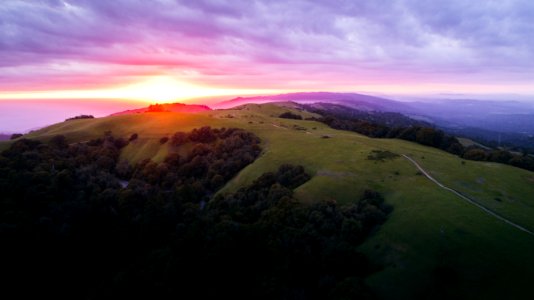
(429,227)
(468,142)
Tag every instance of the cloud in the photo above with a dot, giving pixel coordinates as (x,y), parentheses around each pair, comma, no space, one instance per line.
(266,43)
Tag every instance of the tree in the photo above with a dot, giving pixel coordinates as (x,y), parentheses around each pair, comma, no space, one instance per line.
(202,135)
(290,115)
(179,139)
(500,156)
(16,136)
(475,154)
(80,117)
(429,137)
(156,108)
(59,141)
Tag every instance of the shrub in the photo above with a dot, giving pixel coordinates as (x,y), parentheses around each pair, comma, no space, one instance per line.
(290,115)
(381,155)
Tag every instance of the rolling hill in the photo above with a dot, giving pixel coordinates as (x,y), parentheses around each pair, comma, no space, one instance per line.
(434,244)
(354,100)
(510,123)
(166,107)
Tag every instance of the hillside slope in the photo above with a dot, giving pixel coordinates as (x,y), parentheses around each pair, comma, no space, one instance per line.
(433,245)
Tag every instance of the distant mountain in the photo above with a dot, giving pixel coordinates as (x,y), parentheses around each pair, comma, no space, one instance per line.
(353,100)
(390,119)
(496,116)
(471,107)
(4,137)
(494,139)
(166,107)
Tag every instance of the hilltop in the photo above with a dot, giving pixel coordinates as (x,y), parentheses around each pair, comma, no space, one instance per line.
(166,107)
(354,100)
(433,242)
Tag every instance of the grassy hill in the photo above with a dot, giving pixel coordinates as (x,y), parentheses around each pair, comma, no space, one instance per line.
(434,245)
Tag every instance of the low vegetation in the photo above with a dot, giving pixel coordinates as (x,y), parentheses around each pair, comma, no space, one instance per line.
(381,155)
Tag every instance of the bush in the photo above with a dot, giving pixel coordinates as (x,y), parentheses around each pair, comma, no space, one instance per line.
(290,115)
(381,155)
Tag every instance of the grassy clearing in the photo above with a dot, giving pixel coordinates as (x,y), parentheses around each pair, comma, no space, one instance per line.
(431,234)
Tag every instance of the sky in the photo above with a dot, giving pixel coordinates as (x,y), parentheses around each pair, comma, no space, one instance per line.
(18,116)
(164,50)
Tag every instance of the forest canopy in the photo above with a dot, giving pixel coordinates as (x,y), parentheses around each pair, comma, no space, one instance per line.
(79,222)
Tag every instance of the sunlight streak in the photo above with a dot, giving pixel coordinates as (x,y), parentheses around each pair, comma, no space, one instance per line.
(159,88)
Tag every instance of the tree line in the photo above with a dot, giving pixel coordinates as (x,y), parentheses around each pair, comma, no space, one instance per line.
(80,117)
(424,135)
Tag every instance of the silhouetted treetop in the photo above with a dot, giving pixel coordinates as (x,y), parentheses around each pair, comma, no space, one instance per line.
(80,117)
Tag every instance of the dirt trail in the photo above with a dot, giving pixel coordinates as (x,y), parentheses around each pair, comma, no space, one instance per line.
(486,210)
(278,126)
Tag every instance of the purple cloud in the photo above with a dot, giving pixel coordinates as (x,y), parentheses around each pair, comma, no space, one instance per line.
(286,44)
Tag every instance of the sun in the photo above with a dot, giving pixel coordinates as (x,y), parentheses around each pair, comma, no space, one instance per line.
(162,89)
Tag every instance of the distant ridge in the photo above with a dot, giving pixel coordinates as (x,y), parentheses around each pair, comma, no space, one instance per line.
(5,136)
(353,100)
(166,107)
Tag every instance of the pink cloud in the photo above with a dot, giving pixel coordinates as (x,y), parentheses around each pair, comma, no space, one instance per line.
(264,44)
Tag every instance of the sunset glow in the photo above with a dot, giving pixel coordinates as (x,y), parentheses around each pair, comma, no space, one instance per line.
(162,89)
(172,50)
(151,89)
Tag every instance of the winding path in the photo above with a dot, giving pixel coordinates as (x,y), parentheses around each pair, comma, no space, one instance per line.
(488,211)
